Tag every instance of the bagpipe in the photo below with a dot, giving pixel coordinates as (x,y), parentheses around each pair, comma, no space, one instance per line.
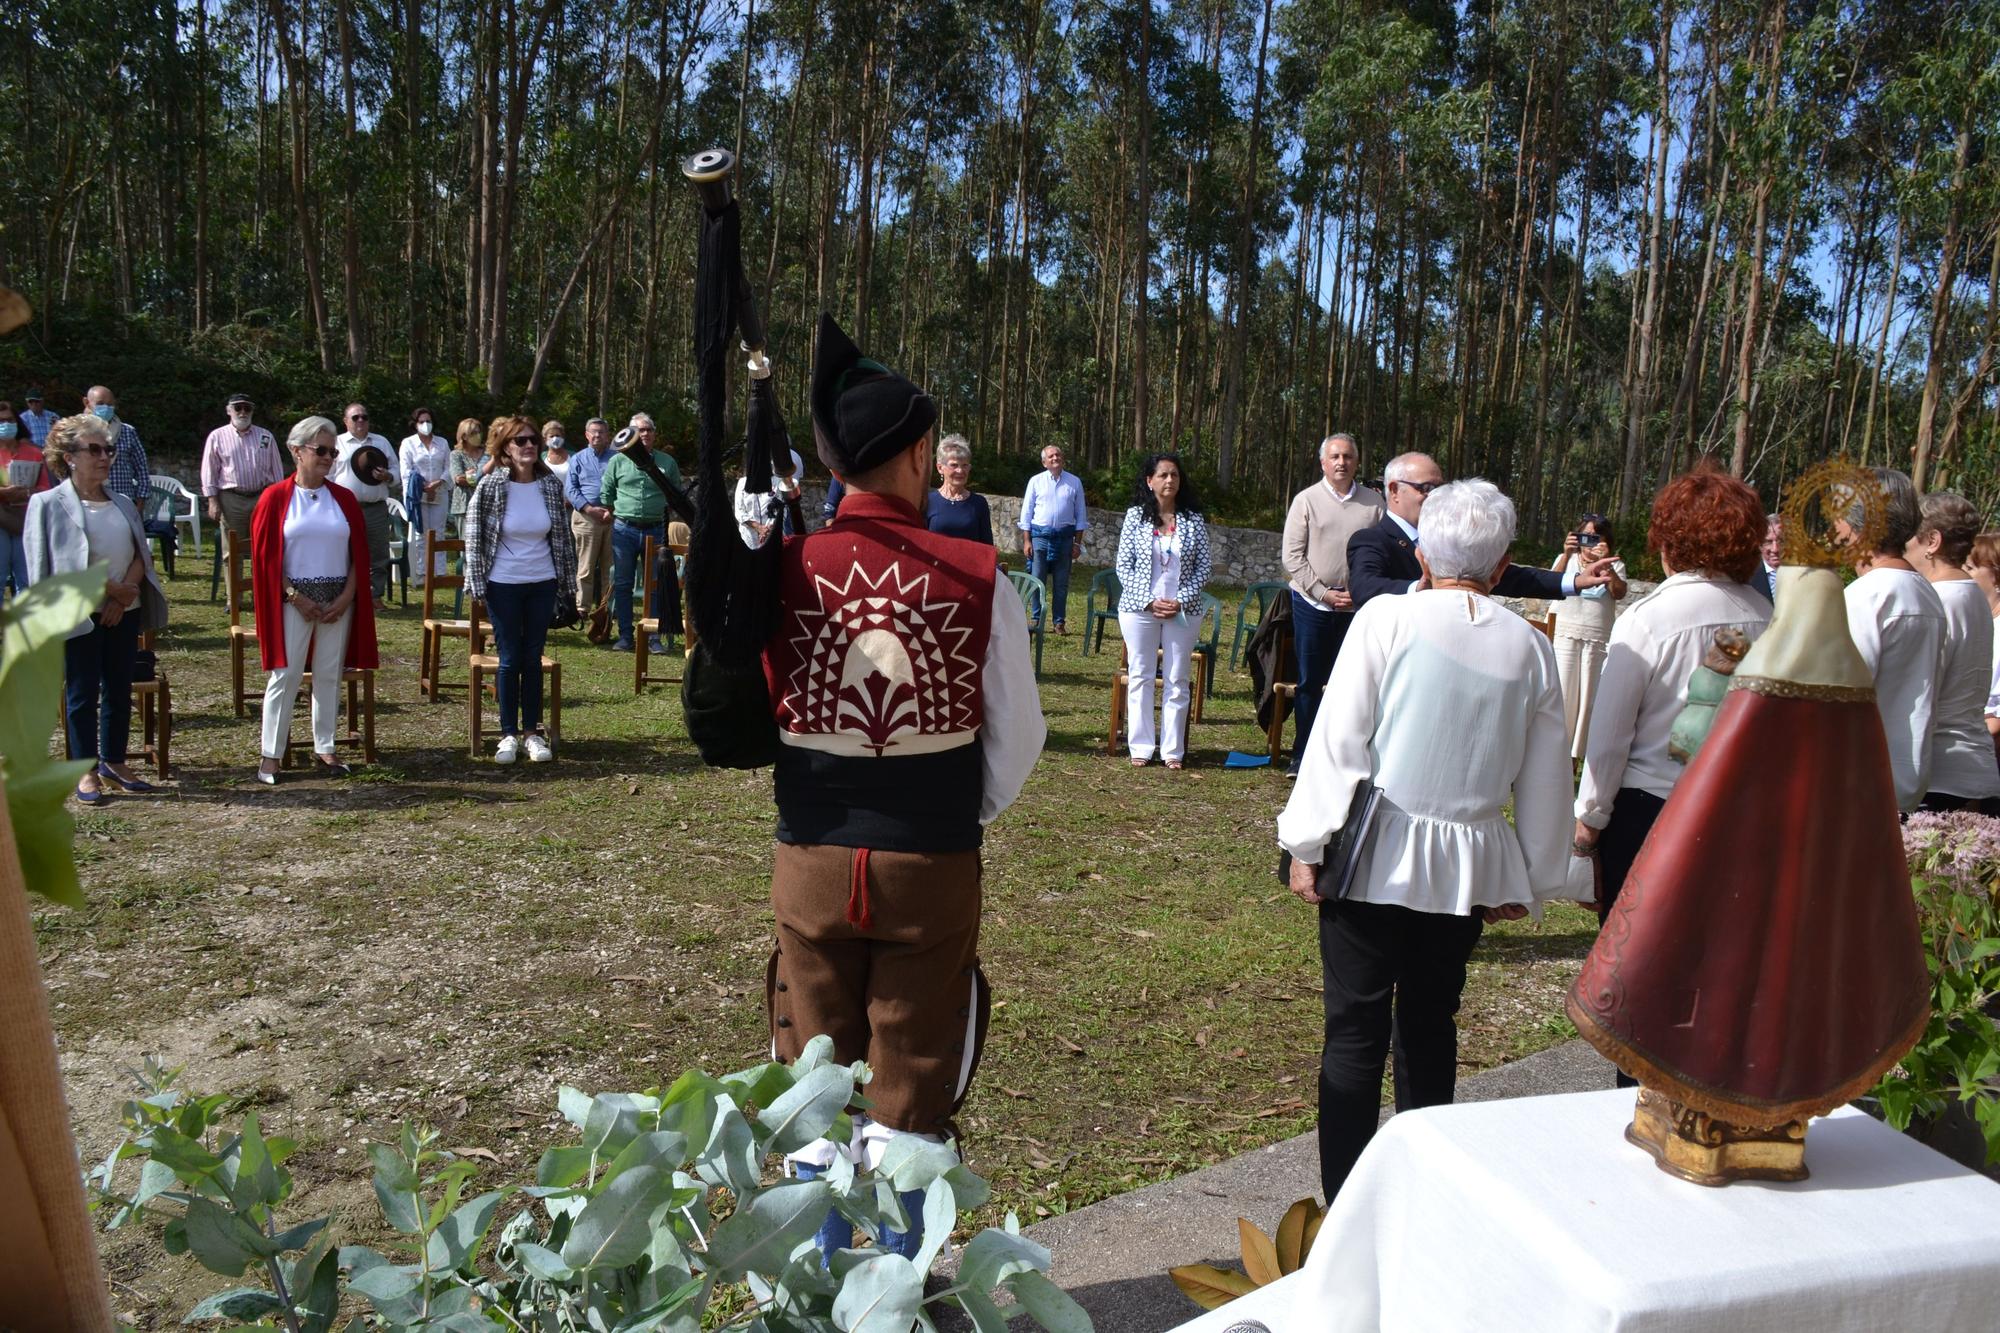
(731,587)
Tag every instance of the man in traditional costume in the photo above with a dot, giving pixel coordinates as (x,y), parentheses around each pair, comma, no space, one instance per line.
(908,719)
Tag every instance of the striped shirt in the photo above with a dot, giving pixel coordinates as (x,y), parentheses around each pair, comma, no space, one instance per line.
(236,462)
(130,477)
(38,424)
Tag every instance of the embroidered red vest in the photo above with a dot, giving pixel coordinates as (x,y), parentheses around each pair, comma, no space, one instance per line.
(875,677)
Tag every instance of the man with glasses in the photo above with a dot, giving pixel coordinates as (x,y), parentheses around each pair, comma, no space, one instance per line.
(238,461)
(1382,560)
(638,511)
(367,468)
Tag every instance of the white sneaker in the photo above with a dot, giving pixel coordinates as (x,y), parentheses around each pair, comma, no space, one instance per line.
(508,751)
(538,750)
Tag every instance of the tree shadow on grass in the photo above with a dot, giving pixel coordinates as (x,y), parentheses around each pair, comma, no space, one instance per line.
(1544,946)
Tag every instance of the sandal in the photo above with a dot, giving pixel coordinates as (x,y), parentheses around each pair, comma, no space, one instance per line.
(1140,763)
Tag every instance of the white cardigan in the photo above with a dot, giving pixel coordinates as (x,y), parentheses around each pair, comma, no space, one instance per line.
(1450,704)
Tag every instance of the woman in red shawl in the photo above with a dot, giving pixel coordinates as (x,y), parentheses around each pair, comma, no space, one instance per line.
(308,548)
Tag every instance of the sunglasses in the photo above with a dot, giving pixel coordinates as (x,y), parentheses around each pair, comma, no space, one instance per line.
(321,450)
(357,416)
(525,439)
(95,450)
(1425,486)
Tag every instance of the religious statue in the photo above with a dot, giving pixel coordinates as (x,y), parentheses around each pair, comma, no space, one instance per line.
(1706,687)
(1762,965)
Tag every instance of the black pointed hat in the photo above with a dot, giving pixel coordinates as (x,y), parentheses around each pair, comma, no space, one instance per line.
(863,413)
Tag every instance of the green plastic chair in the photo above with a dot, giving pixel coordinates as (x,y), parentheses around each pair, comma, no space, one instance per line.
(1094,618)
(1261,594)
(1035,595)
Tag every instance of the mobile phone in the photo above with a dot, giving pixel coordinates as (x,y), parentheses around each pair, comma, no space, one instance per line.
(1588,539)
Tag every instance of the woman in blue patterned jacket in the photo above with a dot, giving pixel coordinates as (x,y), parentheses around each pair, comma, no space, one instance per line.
(1162,568)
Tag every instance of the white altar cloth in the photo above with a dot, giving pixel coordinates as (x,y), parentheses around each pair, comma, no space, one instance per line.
(1536,1214)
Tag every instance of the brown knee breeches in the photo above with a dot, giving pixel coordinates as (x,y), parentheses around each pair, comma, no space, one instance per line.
(879,950)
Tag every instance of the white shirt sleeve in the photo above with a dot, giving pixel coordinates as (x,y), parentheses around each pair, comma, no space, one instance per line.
(1014,729)
(1862,626)
(1614,721)
(1542,790)
(1337,758)
(1028,501)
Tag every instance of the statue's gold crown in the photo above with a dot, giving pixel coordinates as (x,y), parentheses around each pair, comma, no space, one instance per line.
(1831,511)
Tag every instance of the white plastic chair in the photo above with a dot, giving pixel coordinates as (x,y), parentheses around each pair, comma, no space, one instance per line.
(187,506)
(399,545)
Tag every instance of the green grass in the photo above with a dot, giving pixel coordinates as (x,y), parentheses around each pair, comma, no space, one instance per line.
(443,939)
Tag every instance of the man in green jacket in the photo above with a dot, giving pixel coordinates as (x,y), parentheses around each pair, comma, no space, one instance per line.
(638,511)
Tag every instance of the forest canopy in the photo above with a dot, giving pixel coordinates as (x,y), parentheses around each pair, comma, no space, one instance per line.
(1570,246)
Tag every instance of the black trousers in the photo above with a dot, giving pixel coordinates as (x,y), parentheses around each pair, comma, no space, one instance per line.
(1632,818)
(1393,978)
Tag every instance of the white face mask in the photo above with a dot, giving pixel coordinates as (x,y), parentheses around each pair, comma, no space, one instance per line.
(424,429)
(557,442)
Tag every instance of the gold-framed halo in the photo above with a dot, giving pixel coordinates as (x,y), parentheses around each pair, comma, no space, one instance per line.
(1832,511)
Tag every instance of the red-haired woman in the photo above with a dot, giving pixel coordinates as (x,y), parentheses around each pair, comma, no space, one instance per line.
(1706,529)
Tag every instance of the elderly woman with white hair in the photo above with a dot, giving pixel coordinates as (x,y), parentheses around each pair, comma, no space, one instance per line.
(1453,709)
(954,508)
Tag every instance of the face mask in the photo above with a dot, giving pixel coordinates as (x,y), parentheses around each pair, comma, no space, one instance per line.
(8,430)
(424,429)
(105,412)
(557,442)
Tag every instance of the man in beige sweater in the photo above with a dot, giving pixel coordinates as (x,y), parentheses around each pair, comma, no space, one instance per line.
(1322,517)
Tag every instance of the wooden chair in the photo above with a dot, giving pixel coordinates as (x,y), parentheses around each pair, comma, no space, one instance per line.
(645,627)
(438,628)
(480,665)
(1121,679)
(242,636)
(359,733)
(155,701)
(1287,692)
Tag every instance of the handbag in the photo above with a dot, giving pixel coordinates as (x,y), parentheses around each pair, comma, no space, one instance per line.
(1343,851)
(564,613)
(145,666)
(599,628)
(728,713)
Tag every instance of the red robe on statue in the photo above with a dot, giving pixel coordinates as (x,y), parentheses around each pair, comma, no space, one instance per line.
(1763,963)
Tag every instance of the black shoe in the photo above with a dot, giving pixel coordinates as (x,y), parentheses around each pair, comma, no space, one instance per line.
(1292,769)
(622,646)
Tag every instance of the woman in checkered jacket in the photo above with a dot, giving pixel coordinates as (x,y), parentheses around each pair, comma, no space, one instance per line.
(1162,568)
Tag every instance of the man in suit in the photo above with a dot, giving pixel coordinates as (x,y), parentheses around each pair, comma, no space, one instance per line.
(1382,560)
(1765,580)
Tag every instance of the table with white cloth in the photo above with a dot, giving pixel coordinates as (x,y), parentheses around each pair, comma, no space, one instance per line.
(1536,1214)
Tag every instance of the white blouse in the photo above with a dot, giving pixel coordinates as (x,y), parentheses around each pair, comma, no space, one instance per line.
(1450,704)
(1654,648)
(109,535)
(1897,622)
(1962,761)
(1589,614)
(316,539)
(1166,565)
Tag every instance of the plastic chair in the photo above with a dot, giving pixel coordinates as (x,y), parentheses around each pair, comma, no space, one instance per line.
(1211,611)
(1260,595)
(399,546)
(1035,595)
(1093,618)
(187,506)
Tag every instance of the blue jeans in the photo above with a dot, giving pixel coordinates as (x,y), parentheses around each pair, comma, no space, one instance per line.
(97,688)
(1317,633)
(628,548)
(1052,548)
(520,613)
(13,562)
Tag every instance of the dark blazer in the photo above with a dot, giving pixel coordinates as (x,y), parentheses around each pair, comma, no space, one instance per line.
(1381,561)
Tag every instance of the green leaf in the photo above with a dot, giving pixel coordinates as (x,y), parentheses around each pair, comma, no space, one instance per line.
(690,1105)
(612,1123)
(244,1303)
(257,1179)
(911,1163)
(222,1241)
(994,1256)
(542,1262)
(879,1295)
(385,1282)
(298,1237)
(315,1285)
(574,1105)
(664,1148)
(562,1167)
(761,1234)
(731,1157)
(396,1189)
(614,1227)
(985,1315)
(940,1213)
(969,1188)
(457,1238)
(186,1157)
(817,1052)
(32,630)
(807,1109)
(1050,1305)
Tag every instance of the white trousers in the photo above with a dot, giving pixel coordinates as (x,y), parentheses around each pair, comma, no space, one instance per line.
(1145,634)
(322,649)
(1579,664)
